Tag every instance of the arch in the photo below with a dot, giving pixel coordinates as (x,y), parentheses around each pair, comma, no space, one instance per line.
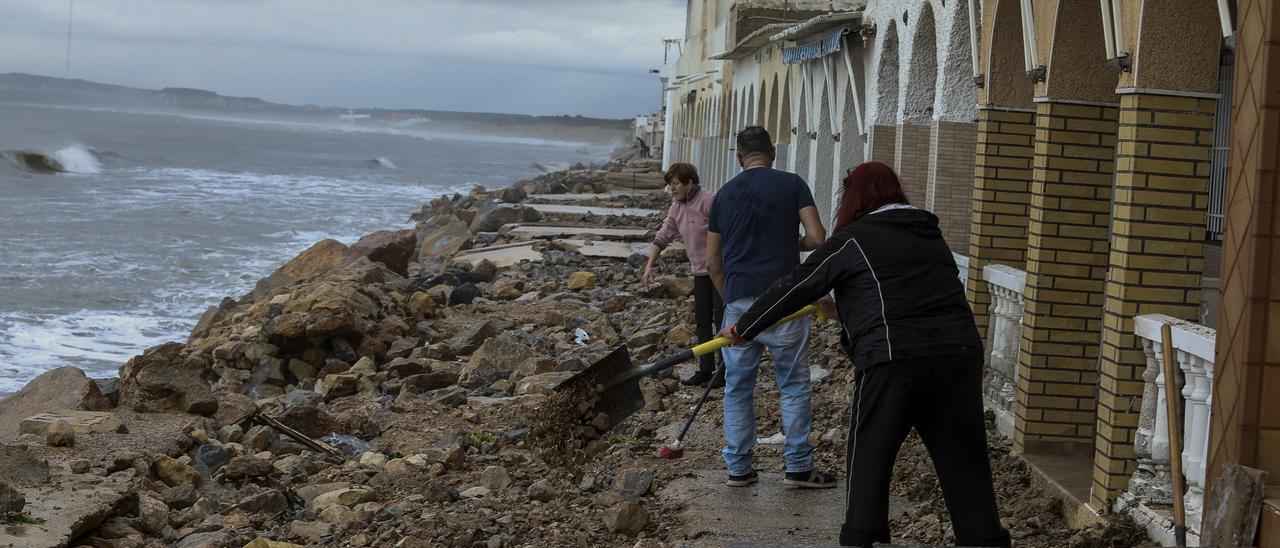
(748,114)
(761,117)
(1077,67)
(1007,82)
(959,93)
(887,78)
(1176,48)
(852,149)
(922,71)
(801,139)
(784,112)
(823,155)
(771,114)
(735,120)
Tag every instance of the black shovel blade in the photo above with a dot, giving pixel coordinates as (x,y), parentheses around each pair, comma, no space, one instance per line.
(615,374)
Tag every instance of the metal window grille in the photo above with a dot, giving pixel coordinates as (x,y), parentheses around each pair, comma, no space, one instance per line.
(1221,149)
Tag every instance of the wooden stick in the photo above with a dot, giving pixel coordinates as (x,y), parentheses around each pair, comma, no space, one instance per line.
(312,444)
(1175,435)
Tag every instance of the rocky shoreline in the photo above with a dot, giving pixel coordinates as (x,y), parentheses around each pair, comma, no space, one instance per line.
(396,392)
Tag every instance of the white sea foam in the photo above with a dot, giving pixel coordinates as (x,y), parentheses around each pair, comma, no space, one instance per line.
(77,159)
(30,343)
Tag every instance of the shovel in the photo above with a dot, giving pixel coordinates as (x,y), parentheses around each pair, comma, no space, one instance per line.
(619,379)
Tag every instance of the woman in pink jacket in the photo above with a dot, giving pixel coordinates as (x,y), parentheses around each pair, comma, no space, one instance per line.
(687,218)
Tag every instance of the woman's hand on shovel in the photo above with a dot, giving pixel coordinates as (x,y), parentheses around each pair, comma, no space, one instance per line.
(731,332)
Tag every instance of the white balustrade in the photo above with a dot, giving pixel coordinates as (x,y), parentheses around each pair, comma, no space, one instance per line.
(962,264)
(1004,333)
(1193,352)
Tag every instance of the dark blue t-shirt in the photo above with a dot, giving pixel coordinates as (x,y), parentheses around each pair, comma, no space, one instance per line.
(757,213)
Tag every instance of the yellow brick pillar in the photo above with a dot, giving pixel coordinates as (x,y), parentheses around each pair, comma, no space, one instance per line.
(1066,269)
(1158,229)
(882,142)
(911,160)
(1000,200)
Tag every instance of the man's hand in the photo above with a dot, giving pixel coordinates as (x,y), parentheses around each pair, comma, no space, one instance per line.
(731,332)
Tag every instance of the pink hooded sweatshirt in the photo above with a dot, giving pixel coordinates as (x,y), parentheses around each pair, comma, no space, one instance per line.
(688,219)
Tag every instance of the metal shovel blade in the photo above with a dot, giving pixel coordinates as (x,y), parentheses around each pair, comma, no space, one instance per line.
(618,399)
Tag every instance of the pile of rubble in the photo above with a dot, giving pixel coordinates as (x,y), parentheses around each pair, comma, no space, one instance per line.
(397,392)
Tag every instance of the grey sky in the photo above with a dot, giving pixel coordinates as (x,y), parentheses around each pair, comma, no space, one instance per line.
(587,57)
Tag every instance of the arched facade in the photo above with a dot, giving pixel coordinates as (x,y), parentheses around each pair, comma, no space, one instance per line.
(1078,185)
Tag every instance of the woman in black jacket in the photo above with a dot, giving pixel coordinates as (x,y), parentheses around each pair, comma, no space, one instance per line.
(915,348)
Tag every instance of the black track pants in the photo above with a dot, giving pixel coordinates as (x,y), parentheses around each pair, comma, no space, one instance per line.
(942,399)
(707,312)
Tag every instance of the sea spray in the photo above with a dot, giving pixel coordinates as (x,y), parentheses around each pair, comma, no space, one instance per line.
(77,159)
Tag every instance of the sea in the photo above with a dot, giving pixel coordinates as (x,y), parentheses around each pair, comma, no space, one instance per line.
(118,229)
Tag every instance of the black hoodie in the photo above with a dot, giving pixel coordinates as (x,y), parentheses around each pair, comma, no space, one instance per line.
(896,286)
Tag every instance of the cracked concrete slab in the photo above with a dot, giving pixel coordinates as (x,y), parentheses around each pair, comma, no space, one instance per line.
(70,505)
(538,231)
(501,256)
(594,210)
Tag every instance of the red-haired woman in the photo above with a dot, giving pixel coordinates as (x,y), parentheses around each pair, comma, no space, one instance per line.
(915,347)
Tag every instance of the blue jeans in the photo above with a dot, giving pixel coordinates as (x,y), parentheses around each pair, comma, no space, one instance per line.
(788,345)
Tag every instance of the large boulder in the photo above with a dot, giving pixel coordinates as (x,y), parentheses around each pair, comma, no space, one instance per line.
(328,308)
(165,379)
(61,388)
(391,248)
(495,359)
(322,256)
(492,216)
(513,194)
(443,241)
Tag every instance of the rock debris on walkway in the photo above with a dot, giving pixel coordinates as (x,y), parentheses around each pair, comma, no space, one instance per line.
(414,375)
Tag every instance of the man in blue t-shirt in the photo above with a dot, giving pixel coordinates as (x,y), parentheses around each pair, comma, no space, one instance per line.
(753,239)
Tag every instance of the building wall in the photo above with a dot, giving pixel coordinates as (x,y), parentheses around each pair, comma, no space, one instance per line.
(1245,425)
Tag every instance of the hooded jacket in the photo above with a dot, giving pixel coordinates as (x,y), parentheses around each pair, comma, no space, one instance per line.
(688,220)
(896,286)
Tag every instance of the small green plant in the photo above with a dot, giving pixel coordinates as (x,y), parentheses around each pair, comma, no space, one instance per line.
(480,438)
(10,518)
(618,438)
(395,455)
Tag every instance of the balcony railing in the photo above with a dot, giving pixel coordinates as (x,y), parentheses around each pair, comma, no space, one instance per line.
(1004,332)
(1150,490)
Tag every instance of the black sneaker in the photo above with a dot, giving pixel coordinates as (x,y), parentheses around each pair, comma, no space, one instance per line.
(698,379)
(718,380)
(811,479)
(743,480)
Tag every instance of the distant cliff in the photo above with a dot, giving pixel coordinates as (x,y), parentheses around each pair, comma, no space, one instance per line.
(43,90)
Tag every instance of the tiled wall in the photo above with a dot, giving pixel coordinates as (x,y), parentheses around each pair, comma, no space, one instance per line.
(883,142)
(911,160)
(950,185)
(1246,406)
(1158,230)
(1066,268)
(1000,200)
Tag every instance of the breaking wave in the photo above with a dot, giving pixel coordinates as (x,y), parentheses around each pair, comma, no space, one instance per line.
(381,162)
(72,159)
(551,167)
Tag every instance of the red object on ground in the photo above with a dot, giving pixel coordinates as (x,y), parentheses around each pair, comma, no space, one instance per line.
(670,453)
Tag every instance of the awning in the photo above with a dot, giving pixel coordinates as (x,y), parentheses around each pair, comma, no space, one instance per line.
(809,51)
(752,42)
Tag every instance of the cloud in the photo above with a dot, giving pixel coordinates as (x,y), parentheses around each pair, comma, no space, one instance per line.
(277,46)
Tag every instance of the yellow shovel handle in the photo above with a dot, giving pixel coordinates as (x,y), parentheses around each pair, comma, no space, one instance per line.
(721,342)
